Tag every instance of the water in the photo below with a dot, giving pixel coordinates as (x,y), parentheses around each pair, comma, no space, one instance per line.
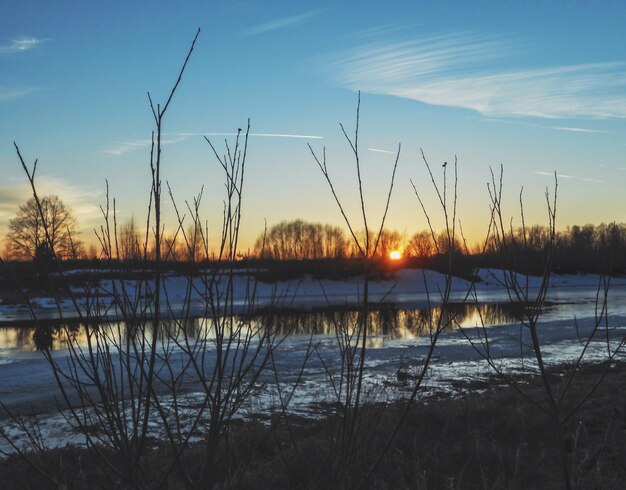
(398,340)
(385,324)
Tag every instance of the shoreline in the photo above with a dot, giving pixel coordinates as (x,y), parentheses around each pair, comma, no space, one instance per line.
(489,426)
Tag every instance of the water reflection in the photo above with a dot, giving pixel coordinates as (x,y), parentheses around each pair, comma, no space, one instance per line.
(394,323)
(48,334)
(388,322)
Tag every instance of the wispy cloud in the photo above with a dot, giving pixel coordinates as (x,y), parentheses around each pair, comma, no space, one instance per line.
(10,199)
(578,130)
(261,135)
(11,93)
(126,146)
(572,129)
(20,44)
(281,23)
(572,177)
(83,201)
(376,150)
(450,70)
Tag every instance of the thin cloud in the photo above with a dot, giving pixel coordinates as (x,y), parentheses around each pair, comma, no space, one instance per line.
(7,94)
(571,177)
(449,70)
(578,130)
(281,23)
(262,135)
(381,151)
(20,45)
(543,126)
(127,146)
(83,201)
(11,197)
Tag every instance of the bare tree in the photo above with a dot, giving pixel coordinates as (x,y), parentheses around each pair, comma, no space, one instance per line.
(27,237)
(347,382)
(420,245)
(297,240)
(558,403)
(143,351)
(129,241)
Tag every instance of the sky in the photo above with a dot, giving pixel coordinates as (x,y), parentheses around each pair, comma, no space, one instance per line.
(535,87)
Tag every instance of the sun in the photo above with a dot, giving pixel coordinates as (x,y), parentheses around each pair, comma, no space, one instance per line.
(395,255)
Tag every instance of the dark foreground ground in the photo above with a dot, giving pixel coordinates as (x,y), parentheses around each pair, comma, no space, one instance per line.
(489,437)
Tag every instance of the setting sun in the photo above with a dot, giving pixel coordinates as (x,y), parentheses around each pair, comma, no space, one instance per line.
(395,255)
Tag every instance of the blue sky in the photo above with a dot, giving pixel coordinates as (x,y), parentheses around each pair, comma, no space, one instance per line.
(537,87)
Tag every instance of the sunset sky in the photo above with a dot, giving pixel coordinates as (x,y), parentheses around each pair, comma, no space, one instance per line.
(539,87)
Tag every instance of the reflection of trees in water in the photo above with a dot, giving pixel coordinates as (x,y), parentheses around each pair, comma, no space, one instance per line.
(459,314)
(388,321)
(43,337)
(47,335)
(51,335)
(177,330)
(19,338)
(393,322)
(385,321)
(494,314)
(55,336)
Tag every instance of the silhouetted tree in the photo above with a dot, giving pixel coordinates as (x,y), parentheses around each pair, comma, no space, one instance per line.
(421,245)
(129,239)
(92,252)
(447,244)
(195,243)
(296,240)
(389,241)
(173,248)
(582,239)
(537,237)
(334,240)
(40,232)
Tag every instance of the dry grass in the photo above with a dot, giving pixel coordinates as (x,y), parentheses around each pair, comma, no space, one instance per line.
(491,440)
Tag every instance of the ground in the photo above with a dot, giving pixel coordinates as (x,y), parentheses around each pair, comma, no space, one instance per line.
(488,437)
(472,430)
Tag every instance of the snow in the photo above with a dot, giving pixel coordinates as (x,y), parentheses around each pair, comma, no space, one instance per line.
(411,287)
(27,383)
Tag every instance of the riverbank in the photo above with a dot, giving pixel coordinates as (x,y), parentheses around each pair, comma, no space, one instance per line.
(485,436)
(468,430)
(99,295)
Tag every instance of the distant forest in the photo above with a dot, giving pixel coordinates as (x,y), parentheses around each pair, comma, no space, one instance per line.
(301,240)
(292,248)
(588,248)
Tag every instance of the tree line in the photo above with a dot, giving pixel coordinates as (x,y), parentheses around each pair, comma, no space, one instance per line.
(290,240)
